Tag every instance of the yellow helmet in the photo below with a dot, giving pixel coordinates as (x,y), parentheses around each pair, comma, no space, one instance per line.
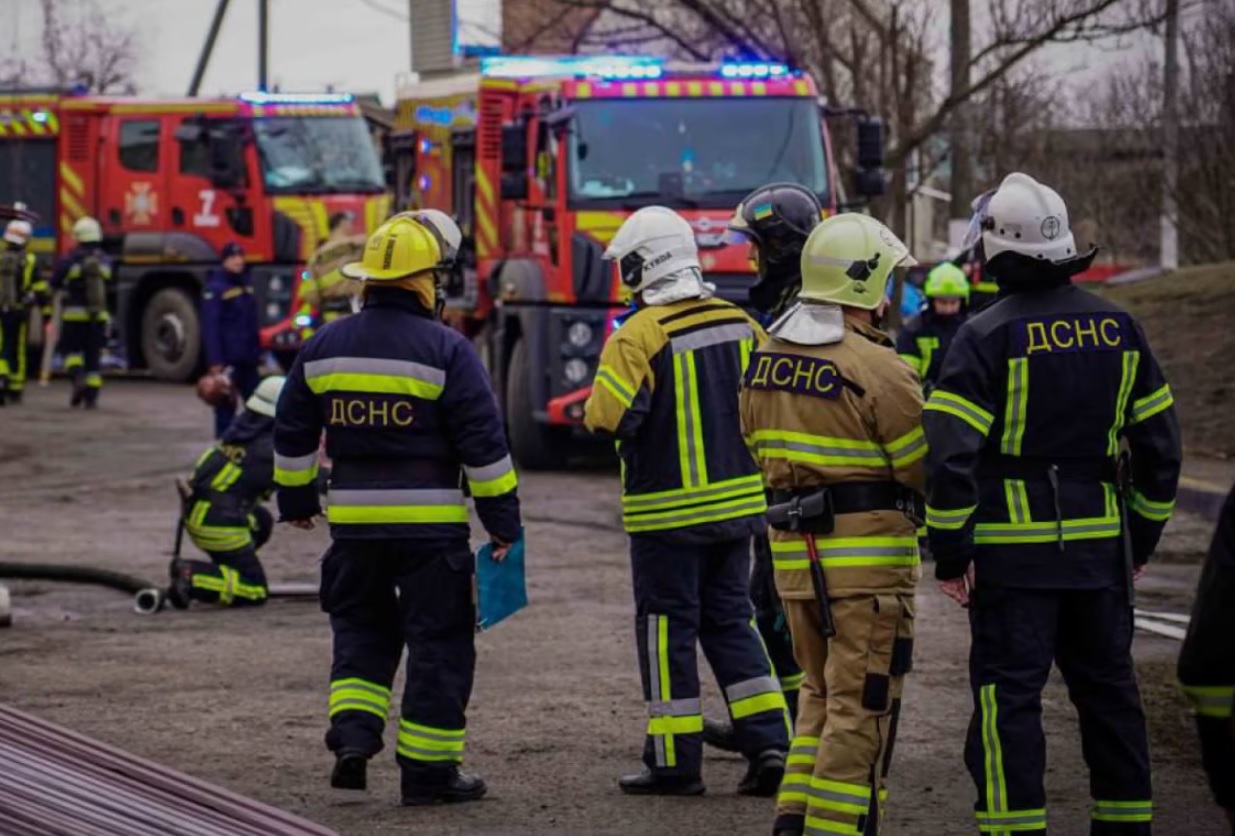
(87,231)
(399,248)
(847,260)
(946,279)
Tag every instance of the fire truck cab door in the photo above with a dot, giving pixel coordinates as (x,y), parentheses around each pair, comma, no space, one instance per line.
(212,181)
(133,174)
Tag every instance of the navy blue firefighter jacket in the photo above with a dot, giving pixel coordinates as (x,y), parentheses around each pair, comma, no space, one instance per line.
(230,320)
(407,410)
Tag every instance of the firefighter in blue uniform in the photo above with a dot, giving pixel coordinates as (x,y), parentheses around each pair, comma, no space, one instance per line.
(1033,522)
(1207,661)
(223,515)
(230,329)
(84,276)
(405,405)
(924,341)
(692,498)
(20,287)
(775,221)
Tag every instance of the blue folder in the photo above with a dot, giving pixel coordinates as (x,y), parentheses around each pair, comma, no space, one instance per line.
(501,588)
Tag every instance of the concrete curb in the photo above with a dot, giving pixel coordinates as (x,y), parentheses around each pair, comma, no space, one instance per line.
(1197,496)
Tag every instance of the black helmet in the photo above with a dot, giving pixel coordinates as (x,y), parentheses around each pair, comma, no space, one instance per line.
(778,218)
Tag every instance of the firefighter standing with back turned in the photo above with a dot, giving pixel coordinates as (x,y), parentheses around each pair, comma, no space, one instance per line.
(834,417)
(774,221)
(83,276)
(692,498)
(924,341)
(1207,661)
(20,287)
(405,405)
(1033,523)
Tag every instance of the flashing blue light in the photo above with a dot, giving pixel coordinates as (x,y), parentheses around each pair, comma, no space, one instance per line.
(753,70)
(297,98)
(303,320)
(426,145)
(40,116)
(423,182)
(625,67)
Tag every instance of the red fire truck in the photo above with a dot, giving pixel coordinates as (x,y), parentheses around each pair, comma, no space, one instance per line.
(541,159)
(172,181)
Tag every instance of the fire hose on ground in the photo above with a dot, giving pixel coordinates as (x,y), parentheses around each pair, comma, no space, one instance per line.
(147,598)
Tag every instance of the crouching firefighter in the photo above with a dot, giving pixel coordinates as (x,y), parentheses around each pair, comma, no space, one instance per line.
(223,515)
(408,412)
(1032,525)
(20,287)
(924,341)
(84,276)
(774,221)
(692,498)
(834,419)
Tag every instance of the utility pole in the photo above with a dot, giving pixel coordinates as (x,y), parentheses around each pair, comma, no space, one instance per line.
(962,151)
(263,44)
(203,60)
(1170,140)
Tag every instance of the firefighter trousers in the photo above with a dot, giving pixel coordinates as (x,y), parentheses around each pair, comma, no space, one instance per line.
(773,626)
(382,595)
(1017,633)
(698,595)
(847,714)
(81,342)
(13,325)
(233,576)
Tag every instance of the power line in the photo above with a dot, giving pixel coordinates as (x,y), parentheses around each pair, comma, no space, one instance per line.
(389,12)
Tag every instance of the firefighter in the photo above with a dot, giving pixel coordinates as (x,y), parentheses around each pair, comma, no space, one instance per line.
(1207,661)
(230,330)
(774,221)
(223,514)
(84,277)
(405,405)
(326,292)
(1030,522)
(834,418)
(925,339)
(692,498)
(20,287)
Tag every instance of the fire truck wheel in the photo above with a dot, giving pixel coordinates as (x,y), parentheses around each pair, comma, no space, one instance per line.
(534,445)
(171,335)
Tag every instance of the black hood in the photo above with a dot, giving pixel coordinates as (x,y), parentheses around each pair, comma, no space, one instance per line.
(247,426)
(1018,273)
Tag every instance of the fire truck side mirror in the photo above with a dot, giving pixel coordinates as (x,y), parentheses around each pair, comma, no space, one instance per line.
(870,143)
(227,166)
(514,162)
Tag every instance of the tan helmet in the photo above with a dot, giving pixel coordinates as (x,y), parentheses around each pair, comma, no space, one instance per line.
(847,261)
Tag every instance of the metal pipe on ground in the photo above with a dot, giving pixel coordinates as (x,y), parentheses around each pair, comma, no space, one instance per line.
(53,779)
(147,598)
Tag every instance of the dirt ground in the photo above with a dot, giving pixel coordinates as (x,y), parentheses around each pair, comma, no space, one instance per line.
(238,698)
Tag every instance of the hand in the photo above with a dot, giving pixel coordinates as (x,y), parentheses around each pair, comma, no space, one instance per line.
(216,369)
(500,550)
(958,589)
(303,525)
(1138,572)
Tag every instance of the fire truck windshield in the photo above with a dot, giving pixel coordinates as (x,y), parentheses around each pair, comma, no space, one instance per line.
(705,153)
(317,155)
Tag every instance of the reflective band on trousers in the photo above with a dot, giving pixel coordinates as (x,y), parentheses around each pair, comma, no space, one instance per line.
(1211,700)
(493,479)
(847,552)
(754,696)
(425,743)
(375,375)
(996,794)
(1011,821)
(395,506)
(294,471)
(1123,811)
(355,694)
(1093,528)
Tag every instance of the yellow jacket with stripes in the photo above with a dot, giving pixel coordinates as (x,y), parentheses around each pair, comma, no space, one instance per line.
(667,390)
(850,411)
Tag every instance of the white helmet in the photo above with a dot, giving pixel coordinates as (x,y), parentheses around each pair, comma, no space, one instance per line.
(18,232)
(1023,216)
(87,231)
(266,396)
(651,244)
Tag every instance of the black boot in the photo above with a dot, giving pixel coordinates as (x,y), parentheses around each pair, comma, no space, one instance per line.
(648,782)
(461,787)
(719,735)
(14,396)
(79,394)
(350,771)
(788,825)
(178,592)
(764,774)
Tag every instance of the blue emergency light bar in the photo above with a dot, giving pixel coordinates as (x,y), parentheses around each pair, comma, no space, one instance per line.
(570,66)
(753,70)
(297,98)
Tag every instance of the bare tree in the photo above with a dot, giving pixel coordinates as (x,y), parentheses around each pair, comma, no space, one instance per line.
(80,44)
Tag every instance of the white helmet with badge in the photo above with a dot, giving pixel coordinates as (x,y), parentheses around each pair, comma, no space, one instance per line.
(652,244)
(1026,217)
